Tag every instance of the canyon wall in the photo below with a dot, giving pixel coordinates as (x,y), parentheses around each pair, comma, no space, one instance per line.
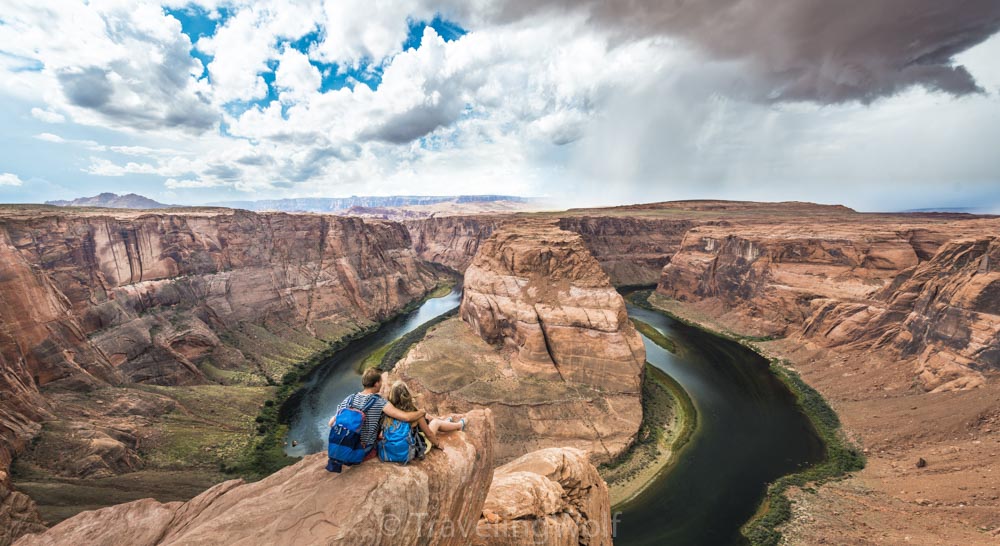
(452,241)
(632,251)
(91,300)
(544,341)
(924,296)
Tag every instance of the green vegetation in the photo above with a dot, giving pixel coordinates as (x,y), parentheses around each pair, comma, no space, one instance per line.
(655,336)
(386,357)
(840,458)
(668,421)
(265,455)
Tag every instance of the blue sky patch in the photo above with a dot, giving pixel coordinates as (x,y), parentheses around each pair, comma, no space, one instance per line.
(196,22)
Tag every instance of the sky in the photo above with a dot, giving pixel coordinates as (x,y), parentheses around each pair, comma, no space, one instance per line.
(887,105)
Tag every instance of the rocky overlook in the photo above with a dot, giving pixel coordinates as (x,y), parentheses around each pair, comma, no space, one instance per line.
(435,501)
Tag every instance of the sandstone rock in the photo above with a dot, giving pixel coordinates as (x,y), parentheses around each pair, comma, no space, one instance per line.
(568,364)
(452,241)
(632,251)
(537,288)
(553,496)
(435,501)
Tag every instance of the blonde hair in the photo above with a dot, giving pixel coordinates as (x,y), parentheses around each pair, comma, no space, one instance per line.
(401,397)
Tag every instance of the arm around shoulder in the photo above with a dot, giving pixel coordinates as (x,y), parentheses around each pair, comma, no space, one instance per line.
(396,413)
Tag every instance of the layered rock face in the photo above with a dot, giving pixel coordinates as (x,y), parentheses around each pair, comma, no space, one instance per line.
(772,276)
(545,343)
(537,289)
(551,496)
(924,295)
(632,251)
(143,299)
(435,501)
(94,299)
(943,314)
(452,241)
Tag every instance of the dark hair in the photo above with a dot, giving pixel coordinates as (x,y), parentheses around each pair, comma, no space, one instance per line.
(371,377)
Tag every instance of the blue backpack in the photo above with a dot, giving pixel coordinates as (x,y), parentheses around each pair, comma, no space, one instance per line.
(397,444)
(345,435)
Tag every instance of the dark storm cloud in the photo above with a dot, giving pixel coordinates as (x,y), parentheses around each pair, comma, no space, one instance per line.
(88,88)
(816,50)
(414,123)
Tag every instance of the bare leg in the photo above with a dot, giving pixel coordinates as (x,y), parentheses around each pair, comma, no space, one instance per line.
(441,425)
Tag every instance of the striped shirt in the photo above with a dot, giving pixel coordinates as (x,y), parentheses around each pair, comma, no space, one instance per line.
(373,418)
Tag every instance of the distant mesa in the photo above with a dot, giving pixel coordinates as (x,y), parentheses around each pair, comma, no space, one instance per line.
(113,201)
(364,203)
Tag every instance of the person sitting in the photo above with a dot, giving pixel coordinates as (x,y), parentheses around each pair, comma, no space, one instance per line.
(374,407)
(401,398)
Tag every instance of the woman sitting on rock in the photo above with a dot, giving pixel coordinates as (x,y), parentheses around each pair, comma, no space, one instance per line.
(401,397)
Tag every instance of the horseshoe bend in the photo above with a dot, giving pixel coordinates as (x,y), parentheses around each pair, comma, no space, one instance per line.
(152,361)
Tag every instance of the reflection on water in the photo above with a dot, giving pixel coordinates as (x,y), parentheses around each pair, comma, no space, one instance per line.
(750,432)
(308,411)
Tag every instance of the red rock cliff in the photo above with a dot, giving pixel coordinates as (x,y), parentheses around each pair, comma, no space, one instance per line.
(118,298)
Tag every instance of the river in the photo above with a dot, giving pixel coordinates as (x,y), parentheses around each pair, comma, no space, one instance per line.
(750,431)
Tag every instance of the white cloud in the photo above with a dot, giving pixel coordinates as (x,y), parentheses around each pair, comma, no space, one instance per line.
(109,63)
(558,100)
(9,179)
(49,137)
(295,77)
(47,116)
(173,184)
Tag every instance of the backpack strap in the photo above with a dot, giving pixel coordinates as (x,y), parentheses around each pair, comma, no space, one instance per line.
(364,410)
(370,402)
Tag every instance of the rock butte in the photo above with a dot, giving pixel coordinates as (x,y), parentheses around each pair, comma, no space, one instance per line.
(546,343)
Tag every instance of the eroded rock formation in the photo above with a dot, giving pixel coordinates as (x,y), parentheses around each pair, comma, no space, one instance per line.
(632,251)
(452,241)
(552,496)
(927,302)
(435,501)
(537,289)
(565,365)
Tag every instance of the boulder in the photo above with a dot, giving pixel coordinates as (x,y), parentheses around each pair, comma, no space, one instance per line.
(552,496)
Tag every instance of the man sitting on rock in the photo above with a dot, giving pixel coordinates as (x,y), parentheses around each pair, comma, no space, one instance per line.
(371,380)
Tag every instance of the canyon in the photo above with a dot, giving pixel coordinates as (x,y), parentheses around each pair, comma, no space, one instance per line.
(111,320)
(124,332)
